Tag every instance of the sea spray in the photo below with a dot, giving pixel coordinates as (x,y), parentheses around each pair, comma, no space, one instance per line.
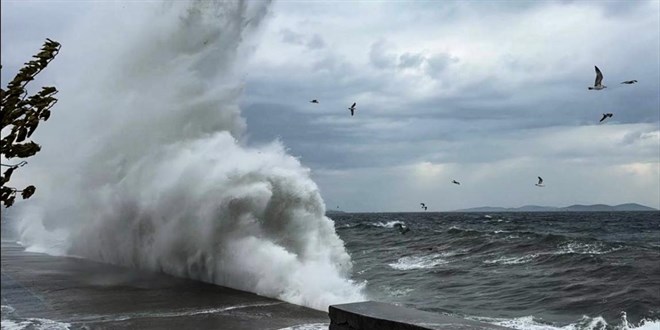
(159,179)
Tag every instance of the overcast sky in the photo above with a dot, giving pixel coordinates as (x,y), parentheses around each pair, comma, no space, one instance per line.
(489,93)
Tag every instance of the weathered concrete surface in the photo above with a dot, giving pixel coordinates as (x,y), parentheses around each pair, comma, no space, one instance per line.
(92,295)
(370,315)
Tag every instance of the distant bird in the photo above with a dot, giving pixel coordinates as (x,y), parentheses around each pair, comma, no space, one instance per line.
(402,229)
(314,101)
(629,82)
(455,182)
(540,184)
(352,108)
(598,84)
(423,206)
(605,116)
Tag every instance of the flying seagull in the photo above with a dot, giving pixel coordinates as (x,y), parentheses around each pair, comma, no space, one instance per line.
(352,108)
(605,116)
(423,206)
(629,82)
(540,184)
(314,101)
(599,80)
(455,182)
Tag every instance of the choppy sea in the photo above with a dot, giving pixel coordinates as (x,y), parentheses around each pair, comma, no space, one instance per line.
(531,271)
(591,270)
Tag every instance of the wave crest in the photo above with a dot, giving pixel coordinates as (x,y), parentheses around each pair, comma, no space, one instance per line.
(164,183)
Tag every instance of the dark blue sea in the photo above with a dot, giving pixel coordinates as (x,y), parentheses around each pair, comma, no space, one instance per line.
(572,270)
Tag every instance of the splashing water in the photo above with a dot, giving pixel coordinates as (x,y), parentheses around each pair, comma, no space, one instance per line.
(162,181)
(586,323)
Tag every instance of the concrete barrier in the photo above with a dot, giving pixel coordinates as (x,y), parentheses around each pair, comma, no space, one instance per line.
(42,290)
(371,315)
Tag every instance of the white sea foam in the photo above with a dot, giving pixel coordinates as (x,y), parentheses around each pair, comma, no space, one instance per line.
(180,313)
(568,248)
(645,325)
(586,323)
(585,248)
(308,326)
(389,224)
(512,260)
(160,178)
(419,262)
(34,324)
(11,322)
(396,291)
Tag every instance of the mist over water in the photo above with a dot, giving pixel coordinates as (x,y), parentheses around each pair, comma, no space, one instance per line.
(149,171)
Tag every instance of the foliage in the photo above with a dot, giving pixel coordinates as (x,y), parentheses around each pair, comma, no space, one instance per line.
(21,115)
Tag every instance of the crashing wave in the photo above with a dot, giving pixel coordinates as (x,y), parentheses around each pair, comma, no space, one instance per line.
(162,180)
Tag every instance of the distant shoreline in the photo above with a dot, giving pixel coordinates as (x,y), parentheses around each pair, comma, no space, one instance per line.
(485,212)
(628,207)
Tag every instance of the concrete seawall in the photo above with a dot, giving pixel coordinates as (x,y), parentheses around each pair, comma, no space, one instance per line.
(375,315)
(88,295)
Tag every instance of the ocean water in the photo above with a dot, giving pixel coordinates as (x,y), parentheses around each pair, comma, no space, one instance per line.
(573,270)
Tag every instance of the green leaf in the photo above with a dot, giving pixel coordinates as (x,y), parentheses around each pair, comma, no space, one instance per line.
(21,113)
(45,114)
(9,201)
(7,175)
(22,134)
(28,191)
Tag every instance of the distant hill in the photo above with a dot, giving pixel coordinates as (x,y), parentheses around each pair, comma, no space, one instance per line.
(608,208)
(536,208)
(334,212)
(526,208)
(572,208)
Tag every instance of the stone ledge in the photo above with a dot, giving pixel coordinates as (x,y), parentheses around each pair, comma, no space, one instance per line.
(372,315)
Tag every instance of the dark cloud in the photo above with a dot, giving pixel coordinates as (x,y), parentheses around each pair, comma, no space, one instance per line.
(438,63)
(506,100)
(380,55)
(410,60)
(291,37)
(612,7)
(315,42)
(383,55)
(311,42)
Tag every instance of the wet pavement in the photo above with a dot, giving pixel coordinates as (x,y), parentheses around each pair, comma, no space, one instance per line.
(91,295)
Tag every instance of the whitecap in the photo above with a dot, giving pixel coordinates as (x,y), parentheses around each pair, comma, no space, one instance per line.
(396,291)
(389,224)
(585,248)
(33,324)
(418,262)
(308,326)
(585,323)
(512,260)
